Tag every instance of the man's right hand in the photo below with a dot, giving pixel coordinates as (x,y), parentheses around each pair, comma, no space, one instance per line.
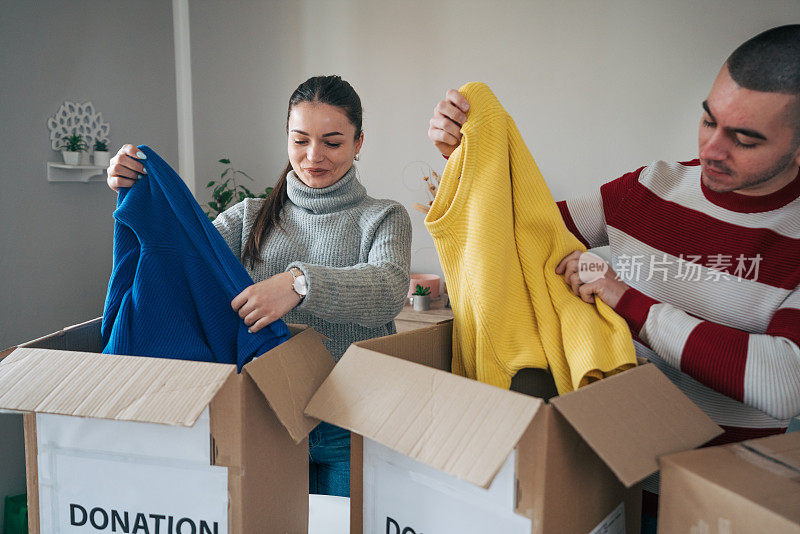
(124,168)
(445,125)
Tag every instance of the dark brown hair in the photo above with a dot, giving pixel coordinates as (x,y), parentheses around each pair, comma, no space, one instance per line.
(770,63)
(331,90)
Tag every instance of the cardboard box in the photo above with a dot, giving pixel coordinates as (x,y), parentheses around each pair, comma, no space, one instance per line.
(442,453)
(161,445)
(752,486)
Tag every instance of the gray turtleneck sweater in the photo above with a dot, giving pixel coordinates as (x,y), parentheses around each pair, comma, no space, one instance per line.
(354,250)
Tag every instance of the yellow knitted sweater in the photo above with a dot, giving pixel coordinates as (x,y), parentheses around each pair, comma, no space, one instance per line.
(500,236)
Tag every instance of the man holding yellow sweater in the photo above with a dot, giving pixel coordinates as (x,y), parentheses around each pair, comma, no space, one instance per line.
(705,254)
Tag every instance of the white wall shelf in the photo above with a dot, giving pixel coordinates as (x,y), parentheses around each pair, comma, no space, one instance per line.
(61,172)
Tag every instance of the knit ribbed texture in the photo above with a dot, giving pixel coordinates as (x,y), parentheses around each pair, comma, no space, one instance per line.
(500,237)
(174,278)
(354,250)
(715,289)
(715,286)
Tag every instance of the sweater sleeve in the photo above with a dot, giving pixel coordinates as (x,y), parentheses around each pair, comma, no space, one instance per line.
(230,225)
(370,294)
(760,370)
(585,219)
(587,216)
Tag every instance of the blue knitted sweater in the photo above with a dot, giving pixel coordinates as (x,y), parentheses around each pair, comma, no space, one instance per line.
(174,278)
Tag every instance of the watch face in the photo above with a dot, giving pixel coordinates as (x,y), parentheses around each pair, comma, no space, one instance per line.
(300,285)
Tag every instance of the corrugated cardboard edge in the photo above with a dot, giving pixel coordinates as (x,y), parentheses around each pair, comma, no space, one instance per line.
(356,484)
(31,471)
(632,418)
(124,388)
(459,426)
(289,375)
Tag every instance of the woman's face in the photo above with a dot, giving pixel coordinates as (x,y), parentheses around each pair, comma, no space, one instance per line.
(322,143)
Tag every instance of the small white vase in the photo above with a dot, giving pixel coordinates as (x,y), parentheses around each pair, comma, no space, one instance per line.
(102,158)
(70,158)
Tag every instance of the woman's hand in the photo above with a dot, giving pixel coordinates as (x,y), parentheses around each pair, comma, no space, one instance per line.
(124,169)
(267,301)
(445,125)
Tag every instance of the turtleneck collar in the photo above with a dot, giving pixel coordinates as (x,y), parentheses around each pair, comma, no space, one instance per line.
(346,192)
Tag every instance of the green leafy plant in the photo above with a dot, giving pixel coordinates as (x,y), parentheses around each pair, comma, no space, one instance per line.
(100,146)
(227,191)
(73,143)
(421,291)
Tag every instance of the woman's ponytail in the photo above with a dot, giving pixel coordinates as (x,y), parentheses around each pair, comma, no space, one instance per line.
(267,219)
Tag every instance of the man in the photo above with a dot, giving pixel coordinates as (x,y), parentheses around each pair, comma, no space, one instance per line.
(705,254)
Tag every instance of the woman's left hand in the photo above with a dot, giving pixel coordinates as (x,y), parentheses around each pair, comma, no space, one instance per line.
(267,301)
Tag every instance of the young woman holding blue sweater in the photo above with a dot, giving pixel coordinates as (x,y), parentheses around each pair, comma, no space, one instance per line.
(321,251)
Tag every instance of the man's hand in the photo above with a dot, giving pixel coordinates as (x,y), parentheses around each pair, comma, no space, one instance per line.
(445,125)
(601,281)
(267,301)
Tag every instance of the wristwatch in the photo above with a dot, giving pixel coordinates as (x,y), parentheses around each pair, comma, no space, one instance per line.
(299,284)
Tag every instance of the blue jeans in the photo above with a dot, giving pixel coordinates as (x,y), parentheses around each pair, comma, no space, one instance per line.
(649,524)
(329,460)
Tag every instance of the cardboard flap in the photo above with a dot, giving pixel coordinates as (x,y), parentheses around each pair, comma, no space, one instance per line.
(632,418)
(83,336)
(431,346)
(461,427)
(104,386)
(783,449)
(288,376)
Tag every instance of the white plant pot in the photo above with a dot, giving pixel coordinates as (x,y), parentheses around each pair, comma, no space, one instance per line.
(84,159)
(70,158)
(102,158)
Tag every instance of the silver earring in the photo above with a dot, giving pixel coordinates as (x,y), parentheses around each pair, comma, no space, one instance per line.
(357,157)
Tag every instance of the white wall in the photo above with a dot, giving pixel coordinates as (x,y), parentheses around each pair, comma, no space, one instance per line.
(243,71)
(56,238)
(596,88)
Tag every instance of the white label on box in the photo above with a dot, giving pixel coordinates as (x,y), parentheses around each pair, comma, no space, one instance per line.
(403,496)
(95,481)
(614,523)
(127,437)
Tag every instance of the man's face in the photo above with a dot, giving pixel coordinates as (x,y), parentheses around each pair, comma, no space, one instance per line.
(747,142)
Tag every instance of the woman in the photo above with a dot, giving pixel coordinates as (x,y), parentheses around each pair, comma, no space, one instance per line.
(321,251)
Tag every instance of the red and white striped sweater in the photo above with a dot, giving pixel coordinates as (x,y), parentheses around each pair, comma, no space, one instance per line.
(715,288)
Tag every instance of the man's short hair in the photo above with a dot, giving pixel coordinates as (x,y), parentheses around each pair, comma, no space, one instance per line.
(770,62)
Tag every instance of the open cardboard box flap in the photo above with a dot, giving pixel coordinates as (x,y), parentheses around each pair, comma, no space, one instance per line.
(45,379)
(632,418)
(289,375)
(459,426)
(86,335)
(124,388)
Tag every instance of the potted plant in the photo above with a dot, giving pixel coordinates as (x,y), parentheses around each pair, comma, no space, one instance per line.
(421,298)
(71,148)
(101,155)
(228,192)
